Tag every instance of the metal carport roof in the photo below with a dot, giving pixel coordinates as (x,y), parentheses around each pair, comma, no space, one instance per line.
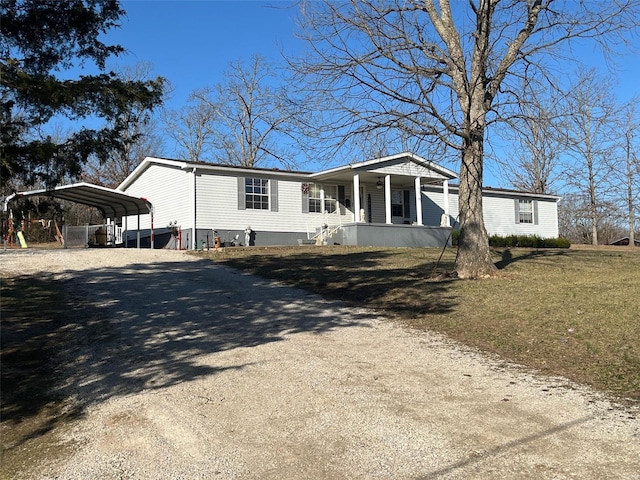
(111,203)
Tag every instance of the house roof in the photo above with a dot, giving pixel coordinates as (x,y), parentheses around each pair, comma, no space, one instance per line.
(504,192)
(203,166)
(110,202)
(403,166)
(625,241)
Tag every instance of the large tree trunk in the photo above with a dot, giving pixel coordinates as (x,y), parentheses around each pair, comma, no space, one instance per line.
(474,257)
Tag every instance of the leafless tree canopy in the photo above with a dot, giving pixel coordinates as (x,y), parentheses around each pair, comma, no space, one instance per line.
(140,138)
(248,119)
(189,127)
(417,65)
(536,138)
(590,142)
(444,72)
(628,165)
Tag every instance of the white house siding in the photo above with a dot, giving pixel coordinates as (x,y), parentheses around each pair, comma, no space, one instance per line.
(169,189)
(433,207)
(407,169)
(548,219)
(378,214)
(498,210)
(499,217)
(217,206)
(217,201)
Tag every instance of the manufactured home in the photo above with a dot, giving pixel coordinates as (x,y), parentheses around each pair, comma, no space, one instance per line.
(398,200)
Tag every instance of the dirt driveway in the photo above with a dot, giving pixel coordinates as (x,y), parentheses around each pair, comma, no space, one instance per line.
(200,372)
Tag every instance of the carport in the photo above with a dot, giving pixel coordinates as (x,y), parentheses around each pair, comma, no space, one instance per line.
(111,203)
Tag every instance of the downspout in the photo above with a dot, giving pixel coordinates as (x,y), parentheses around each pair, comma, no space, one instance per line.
(193,207)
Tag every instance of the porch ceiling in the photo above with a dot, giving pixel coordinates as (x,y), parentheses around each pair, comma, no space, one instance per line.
(371,177)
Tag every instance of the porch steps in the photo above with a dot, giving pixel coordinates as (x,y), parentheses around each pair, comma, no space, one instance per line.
(315,239)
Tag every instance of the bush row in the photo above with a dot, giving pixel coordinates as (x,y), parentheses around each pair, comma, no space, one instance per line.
(529,241)
(525,241)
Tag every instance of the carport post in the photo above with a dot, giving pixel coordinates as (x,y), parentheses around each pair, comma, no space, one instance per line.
(152,239)
(125,233)
(138,233)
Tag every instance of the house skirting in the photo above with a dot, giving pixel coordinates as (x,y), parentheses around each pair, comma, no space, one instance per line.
(355,234)
(385,235)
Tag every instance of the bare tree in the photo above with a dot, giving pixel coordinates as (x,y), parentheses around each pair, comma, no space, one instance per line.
(591,137)
(533,162)
(575,219)
(139,137)
(444,75)
(190,129)
(252,117)
(631,170)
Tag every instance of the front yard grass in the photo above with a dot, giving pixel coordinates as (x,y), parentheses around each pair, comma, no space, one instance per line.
(573,313)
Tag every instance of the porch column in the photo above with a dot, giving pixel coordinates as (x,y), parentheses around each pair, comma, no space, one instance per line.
(356,198)
(445,222)
(387,199)
(418,201)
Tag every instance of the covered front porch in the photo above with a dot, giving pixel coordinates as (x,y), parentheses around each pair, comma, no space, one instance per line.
(386,204)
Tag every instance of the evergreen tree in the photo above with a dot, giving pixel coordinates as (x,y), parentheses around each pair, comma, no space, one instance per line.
(41,41)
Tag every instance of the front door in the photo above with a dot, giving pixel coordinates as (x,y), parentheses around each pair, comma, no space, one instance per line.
(400,206)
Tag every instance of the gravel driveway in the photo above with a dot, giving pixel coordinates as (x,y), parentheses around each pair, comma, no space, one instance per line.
(203,372)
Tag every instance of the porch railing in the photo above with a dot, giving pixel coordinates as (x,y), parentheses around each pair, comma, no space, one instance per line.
(330,223)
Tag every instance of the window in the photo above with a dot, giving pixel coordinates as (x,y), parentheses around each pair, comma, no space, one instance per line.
(256,193)
(330,198)
(397,204)
(316,198)
(525,211)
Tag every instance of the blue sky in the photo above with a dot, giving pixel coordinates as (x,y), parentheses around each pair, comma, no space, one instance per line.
(192,42)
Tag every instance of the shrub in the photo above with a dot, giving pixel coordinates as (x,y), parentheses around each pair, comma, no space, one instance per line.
(525,241)
(454,237)
(528,241)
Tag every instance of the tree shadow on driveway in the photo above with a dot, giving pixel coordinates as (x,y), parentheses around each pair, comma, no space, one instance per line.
(93,335)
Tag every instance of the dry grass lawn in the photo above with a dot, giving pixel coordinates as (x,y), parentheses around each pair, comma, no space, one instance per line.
(574,313)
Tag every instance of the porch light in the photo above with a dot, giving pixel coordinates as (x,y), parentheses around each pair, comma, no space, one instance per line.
(379,184)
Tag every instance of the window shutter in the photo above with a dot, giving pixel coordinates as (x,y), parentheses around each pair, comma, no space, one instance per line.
(273,190)
(516,203)
(535,212)
(407,204)
(305,197)
(242,198)
(341,199)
